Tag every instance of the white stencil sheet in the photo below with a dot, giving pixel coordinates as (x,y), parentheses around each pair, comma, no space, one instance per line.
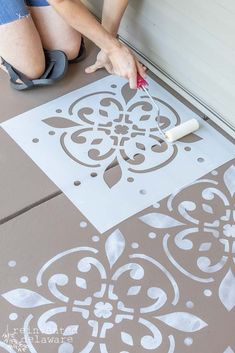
(76,139)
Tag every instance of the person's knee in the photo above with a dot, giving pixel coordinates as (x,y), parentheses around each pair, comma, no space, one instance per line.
(34,69)
(71,49)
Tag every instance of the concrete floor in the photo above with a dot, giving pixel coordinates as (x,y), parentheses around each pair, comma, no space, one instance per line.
(161,281)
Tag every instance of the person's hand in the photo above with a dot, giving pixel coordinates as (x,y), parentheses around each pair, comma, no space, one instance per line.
(119,61)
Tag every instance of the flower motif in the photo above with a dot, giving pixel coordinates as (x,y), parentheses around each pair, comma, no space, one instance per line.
(210,230)
(127,314)
(121,129)
(103,310)
(229,230)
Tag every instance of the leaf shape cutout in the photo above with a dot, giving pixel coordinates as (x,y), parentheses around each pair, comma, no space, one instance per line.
(160,220)
(229,179)
(25,298)
(145,117)
(112,177)
(183,321)
(127,338)
(227,291)
(141,146)
(128,93)
(191,138)
(103,113)
(96,141)
(114,246)
(60,123)
(81,282)
(134,290)
(71,330)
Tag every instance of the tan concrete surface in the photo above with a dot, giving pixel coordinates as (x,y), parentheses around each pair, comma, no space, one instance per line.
(171,294)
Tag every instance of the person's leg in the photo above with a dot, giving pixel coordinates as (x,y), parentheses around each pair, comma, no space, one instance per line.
(20,43)
(55,33)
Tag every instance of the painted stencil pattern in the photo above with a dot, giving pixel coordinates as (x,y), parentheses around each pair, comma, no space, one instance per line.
(78,138)
(162,281)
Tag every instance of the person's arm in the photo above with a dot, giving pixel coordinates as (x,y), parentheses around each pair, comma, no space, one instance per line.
(113,11)
(78,16)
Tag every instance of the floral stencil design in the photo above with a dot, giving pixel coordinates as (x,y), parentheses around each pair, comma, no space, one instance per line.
(201,228)
(106,306)
(121,133)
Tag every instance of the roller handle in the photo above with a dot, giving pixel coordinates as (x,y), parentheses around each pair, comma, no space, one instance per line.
(141,82)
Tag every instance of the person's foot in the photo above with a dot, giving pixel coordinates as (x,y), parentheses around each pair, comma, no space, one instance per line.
(5,69)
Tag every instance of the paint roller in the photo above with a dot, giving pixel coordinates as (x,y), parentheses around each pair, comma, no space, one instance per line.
(176,132)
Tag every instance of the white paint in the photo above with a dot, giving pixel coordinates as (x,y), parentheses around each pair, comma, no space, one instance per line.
(102,204)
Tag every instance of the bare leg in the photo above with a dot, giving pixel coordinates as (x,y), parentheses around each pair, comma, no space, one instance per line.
(55,33)
(20,45)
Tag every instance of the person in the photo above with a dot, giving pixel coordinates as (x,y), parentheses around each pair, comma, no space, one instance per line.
(39,37)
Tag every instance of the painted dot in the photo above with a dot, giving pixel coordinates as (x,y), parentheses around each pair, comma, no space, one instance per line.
(35,140)
(58,111)
(83,224)
(114,86)
(156,205)
(93,175)
(190,304)
(12,263)
(130,180)
(77,183)
(13,316)
(187,149)
(214,172)
(24,279)
(95,238)
(207,292)
(66,347)
(188,341)
(200,160)
(143,192)
(152,235)
(134,245)
(51,133)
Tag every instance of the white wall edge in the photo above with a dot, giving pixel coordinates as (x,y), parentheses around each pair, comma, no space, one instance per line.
(196,102)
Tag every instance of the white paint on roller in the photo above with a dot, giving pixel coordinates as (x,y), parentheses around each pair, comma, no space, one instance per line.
(77,148)
(182,130)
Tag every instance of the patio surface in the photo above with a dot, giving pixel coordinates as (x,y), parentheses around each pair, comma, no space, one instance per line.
(163,280)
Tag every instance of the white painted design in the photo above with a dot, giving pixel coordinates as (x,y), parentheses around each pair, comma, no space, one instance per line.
(187,230)
(229,350)
(25,298)
(207,292)
(188,341)
(7,348)
(71,330)
(227,290)
(24,279)
(101,309)
(114,247)
(13,316)
(105,124)
(183,321)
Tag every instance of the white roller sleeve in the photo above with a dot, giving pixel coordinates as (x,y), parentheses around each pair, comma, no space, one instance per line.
(182,130)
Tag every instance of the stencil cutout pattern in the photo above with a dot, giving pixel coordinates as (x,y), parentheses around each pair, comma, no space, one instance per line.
(77,138)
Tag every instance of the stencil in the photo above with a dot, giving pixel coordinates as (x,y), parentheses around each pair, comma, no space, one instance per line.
(76,139)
